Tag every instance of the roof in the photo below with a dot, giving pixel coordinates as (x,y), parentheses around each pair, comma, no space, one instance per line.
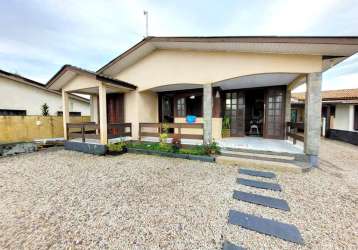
(98,76)
(331,95)
(328,47)
(32,83)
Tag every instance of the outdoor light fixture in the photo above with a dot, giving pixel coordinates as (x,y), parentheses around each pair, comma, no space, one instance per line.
(192,97)
(217,94)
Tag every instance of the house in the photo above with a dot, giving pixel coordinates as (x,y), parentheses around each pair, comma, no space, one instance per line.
(247,79)
(22,96)
(339,110)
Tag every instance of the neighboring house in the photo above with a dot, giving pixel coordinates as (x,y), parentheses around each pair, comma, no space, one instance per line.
(339,113)
(247,79)
(22,96)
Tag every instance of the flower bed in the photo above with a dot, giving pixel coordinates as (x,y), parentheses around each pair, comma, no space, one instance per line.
(193,153)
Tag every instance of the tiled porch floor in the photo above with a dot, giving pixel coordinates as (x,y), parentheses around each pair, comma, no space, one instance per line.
(261,144)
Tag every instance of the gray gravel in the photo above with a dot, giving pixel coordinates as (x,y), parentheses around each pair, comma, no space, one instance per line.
(60,199)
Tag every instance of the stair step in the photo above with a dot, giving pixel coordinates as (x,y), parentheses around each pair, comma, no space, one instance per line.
(263,164)
(257,155)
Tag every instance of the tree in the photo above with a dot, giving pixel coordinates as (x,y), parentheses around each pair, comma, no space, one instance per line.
(45,109)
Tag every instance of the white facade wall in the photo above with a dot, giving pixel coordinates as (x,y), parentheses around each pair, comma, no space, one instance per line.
(344,117)
(20,96)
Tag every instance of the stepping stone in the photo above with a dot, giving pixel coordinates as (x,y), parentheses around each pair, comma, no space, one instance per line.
(229,246)
(257,173)
(261,200)
(259,184)
(266,226)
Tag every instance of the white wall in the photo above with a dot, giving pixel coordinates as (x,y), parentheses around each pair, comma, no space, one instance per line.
(16,95)
(344,117)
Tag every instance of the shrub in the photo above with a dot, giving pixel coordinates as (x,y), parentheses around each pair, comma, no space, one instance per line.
(212,148)
(176,143)
(45,110)
(117,147)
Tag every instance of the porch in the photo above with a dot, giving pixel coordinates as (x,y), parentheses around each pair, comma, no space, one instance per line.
(259,144)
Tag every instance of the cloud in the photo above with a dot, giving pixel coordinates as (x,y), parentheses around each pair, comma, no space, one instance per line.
(39,36)
(289,17)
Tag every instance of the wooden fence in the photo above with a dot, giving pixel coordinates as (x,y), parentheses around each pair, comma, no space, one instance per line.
(175,130)
(29,128)
(292,131)
(90,130)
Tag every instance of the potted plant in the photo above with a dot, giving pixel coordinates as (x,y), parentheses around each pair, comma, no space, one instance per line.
(117,148)
(225,132)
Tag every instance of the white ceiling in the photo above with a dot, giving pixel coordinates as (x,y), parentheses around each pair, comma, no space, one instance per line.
(174,87)
(259,80)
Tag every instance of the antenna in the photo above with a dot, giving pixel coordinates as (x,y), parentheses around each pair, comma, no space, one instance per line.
(146,22)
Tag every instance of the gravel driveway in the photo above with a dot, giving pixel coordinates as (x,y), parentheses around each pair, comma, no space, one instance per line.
(61,199)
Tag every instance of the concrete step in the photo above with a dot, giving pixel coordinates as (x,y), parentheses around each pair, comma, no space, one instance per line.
(292,166)
(261,156)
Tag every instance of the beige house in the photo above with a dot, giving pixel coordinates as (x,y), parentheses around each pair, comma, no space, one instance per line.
(245,80)
(23,96)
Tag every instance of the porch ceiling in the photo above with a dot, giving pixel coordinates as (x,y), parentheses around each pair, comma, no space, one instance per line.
(174,87)
(259,80)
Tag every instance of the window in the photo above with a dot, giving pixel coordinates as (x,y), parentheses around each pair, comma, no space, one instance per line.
(181,107)
(355,125)
(59,113)
(194,105)
(189,105)
(12,112)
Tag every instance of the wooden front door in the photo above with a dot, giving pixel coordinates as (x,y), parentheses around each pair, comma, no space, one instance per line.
(274,113)
(115,111)
(235,110)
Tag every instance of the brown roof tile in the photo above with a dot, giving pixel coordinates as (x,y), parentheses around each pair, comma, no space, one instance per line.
(341,94)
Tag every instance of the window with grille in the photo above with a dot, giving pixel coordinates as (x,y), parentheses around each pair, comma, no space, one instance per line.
(181,107)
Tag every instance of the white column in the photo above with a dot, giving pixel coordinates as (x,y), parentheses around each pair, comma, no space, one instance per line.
(94,108)
(65,113)
(208,112)
(313,106)
(103,113)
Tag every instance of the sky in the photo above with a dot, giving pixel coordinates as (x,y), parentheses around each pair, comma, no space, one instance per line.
(39,36)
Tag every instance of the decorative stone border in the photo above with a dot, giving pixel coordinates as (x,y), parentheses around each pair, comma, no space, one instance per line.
(17,148)
(204,158)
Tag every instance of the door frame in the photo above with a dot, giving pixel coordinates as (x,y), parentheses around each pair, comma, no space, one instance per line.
(283,110)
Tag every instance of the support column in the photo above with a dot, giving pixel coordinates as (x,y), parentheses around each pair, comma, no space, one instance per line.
(94,108)
(65,113)
(208,111)
(102,94)
(287,108)
(313,106)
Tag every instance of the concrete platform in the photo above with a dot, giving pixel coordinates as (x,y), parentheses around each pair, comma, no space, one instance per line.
(261,144)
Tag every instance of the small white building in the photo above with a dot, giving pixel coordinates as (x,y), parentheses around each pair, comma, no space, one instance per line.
(339,108)
(23,96)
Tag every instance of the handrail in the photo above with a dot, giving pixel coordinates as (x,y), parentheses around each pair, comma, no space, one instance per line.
(292,128)
(177,126)
(91,130)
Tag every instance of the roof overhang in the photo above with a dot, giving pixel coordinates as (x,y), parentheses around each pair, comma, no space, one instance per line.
(69,72)
(333,49)
(37,85)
